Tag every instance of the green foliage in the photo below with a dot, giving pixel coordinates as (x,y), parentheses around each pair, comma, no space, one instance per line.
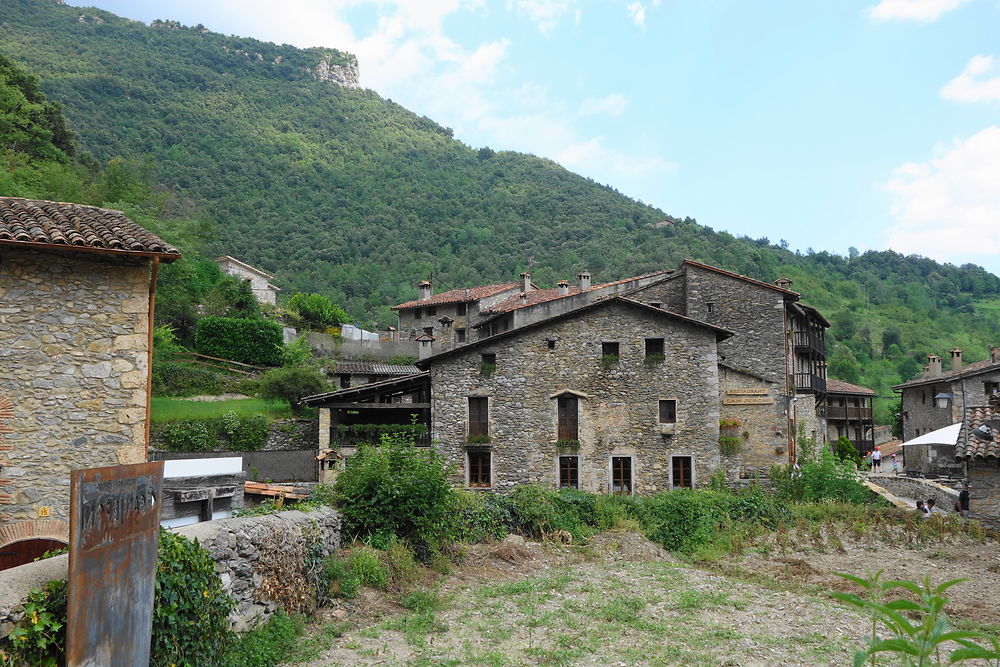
(191,610)
(165,344)
(178,409)
(845,450)
(730,445)
(40,637)
(919,629)
(396,489)
(297,353)
(267,644)
(341,581)
(29,123)
(242,433)
(609,361)
(175,379)
(653,359)
(820,479)
(292,384)
(478,439)
(479,516)
(316,311)
(487,370)
(250,341)
(365,563)
(539,511)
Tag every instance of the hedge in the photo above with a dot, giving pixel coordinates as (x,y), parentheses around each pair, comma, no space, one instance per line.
(250,341)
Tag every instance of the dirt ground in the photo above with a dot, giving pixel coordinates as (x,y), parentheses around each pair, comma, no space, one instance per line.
(621,600)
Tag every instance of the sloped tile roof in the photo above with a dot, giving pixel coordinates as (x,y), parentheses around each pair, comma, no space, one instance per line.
(541,296)
(969,369)
(254,269)
(838,387)
(971,447)
(460,295)
(372,368)
(691,262)
(76,226)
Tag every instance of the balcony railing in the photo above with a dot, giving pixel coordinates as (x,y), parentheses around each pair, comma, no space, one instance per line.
(810,382)
(845,413)
(810,341)
(350,438)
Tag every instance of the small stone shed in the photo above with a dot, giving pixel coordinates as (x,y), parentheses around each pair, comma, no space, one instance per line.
(77,287)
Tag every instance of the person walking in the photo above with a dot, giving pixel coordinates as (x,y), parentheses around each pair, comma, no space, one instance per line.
(963,501)
(876,460)
(895,470)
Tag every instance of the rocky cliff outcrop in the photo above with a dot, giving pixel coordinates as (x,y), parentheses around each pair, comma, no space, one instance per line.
(345,74)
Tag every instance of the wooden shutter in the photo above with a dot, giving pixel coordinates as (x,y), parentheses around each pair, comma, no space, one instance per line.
(569,418)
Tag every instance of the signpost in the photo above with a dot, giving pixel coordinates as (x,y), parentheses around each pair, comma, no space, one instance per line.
(114,531)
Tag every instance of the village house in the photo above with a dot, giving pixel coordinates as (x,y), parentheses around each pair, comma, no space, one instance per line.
(260,282)
(978,448)
(77,288)
(348,373)
(449,315)
(848,411)
(941,398)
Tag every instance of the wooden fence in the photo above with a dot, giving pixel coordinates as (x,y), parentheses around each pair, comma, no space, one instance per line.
(215,362)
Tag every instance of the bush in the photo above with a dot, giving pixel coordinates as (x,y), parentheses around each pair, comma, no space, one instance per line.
(396,489)
(191,435)
(820,479)
(242,434)
(250,341)
(172,379)
(846,451)
(165,343)
(191,611)
(539,510)
(316,310)
(479,516)
(40,637)
(365,563)
(341,581)
(292,384)
(268,644)
(246,434)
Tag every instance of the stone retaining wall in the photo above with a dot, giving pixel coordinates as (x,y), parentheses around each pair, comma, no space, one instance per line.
(912,487)
(261,561)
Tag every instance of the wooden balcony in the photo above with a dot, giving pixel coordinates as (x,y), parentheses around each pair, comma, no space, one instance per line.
(808,340)
(846,413)
(810,382)
(340,438)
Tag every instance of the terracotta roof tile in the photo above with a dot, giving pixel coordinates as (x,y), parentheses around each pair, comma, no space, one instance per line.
(966,370)
(460,295)
(971,447)
(838,387)
(541,296)
(372,368)
(76,226)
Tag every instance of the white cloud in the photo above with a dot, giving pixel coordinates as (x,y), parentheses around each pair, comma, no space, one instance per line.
(614,104)
(912,10)
(949,207)
(592,155)
(545,14)
(637,13)
(971,85)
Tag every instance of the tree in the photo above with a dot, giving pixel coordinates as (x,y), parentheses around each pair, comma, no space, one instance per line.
(316,310)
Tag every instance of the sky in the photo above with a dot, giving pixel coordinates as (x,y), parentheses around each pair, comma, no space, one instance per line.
(828,124)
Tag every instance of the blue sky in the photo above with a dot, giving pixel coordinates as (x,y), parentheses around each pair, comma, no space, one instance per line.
(827,123)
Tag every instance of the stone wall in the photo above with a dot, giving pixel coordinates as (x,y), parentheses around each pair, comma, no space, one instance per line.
(668,292)
(765,424)
(618,406)
(984,496)
(261,561)
(911,487)
(73,367)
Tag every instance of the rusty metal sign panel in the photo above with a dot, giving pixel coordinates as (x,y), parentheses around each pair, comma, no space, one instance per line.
(114,531)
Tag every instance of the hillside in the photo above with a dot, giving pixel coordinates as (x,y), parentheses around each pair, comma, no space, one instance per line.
(337,190)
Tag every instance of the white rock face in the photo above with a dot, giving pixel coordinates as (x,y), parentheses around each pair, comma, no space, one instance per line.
(344,75)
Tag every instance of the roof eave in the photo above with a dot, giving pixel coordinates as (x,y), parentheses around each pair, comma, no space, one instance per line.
(38,245)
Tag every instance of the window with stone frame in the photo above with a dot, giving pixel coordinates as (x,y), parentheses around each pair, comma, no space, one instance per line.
(461,309)
(991,388)
(654,350)
(459,335)
(431,310)
(418,313)
(429,331)
(681,472)
(569,472)
(668,411)
(621,475)
(568,420)
(610,349)
(480,462)
(479,417)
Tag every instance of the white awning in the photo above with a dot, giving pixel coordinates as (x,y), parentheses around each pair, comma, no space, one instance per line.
(943,436)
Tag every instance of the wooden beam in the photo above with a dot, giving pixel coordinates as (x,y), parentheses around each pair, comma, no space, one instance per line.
(375,406)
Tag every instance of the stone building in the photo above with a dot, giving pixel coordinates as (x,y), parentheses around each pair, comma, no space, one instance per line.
(76,301)
(848,412)
(979,449)
(260,282)
(447,317)
(940,398)
(349,372)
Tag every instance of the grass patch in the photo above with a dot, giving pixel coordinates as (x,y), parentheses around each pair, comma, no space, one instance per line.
(166,410)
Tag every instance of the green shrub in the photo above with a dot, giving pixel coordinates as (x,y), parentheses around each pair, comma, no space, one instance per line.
(479,516)
(250,341)
(40,637)
(820,479)
(365,563)
(316,310)
(846,451)
(191,610)
(297,353)
(165,343)
(192,435)
(539,510)
(396,489)
(242,433)
(730,445)
(401,566)
(172,379)
(616,511)
(292,384)
(340,580)
(267,644)
(246,434)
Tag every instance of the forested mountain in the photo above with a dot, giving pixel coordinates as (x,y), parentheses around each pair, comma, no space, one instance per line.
(339,191)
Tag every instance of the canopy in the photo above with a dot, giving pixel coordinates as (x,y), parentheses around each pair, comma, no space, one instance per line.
(943,436)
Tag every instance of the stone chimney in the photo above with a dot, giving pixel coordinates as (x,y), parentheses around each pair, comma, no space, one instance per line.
(563,287)
(784,283)
(956,359)
(933,365)
(995,355)
(425,346)
(584,277)
(522,298)
(424,287)
(447,336)
(525,282)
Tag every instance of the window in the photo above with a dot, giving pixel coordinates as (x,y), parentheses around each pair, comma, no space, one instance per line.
(668,411)
(654,350)
(345,381)
(460,335)
(569,472)
(461,309)
(621,475)
(923,397)
(710,307)
(656,304)
(479,468)
(489,358)
(551,342)
(991,388)
(429,331)
(431,310)
(479,417)
(418,313)
(569,418)
(680,472)
(609,350)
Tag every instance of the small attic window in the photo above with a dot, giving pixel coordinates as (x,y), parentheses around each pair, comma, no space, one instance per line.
(551,343)
(461,308)
(710,307)
(432,310)
(656,304)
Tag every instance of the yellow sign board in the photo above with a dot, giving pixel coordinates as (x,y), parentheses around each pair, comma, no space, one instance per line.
(748,391)
(747,400)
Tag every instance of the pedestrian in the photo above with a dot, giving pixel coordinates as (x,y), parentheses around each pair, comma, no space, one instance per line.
(876,460)
(929,506)
(868,460)
(920,506)
(895,470)
(963,501)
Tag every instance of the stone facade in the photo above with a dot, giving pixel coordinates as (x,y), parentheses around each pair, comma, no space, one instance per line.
(984,496)
(758,406)
(618,404)
(74,369)
(260,284)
